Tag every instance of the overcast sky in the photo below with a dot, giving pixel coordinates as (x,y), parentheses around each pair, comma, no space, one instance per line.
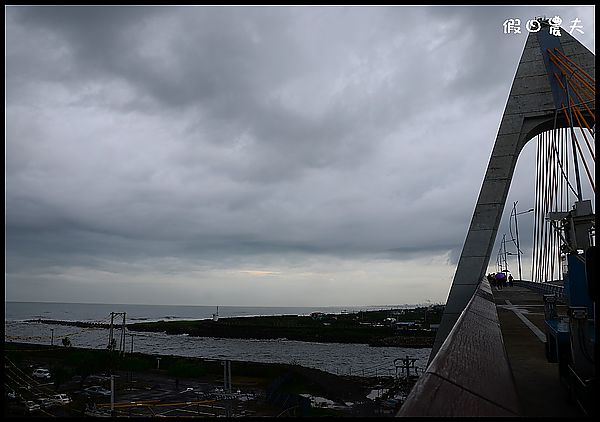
(284,156)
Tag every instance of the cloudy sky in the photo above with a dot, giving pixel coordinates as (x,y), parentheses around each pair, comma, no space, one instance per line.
(284,156)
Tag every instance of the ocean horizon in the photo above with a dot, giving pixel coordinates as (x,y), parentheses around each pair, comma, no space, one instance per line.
(247,306)
(98,312)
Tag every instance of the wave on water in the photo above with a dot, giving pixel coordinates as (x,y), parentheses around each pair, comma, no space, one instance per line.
(330,357)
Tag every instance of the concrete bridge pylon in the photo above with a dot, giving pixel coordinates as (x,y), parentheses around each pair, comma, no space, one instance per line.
(533,107)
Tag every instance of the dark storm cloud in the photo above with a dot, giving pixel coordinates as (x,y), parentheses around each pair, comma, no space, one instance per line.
(223,135)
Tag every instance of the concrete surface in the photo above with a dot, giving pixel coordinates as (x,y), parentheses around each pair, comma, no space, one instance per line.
(536,379)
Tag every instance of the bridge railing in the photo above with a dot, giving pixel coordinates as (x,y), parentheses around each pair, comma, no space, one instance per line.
(546,288)
(470,375)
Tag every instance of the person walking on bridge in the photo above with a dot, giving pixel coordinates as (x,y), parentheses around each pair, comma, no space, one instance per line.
(500,279)
(510,280)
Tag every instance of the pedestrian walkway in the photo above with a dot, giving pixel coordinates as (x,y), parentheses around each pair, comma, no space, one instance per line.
(521,315)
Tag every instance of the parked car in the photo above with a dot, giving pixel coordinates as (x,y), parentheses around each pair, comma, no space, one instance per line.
(45,402)
(99,378)
(61,399)
(31,406)
(96,390)
(41,373)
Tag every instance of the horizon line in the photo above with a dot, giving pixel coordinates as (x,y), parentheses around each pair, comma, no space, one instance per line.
(230,306)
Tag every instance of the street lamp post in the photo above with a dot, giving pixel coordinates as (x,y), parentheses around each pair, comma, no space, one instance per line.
(504,254)
(517,231)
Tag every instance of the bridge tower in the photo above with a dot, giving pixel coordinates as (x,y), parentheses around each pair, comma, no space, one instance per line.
(535,105)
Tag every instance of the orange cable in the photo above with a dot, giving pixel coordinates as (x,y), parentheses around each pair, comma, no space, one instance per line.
(578,96)
(568,59)
(576,85)
(576,108)
(557,61)
(587,170)
(593,115)
(577,116)
(560,61)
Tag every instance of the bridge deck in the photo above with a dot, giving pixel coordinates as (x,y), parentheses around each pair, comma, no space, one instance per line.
(521,314)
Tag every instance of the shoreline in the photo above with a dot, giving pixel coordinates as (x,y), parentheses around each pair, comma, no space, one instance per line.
(370,327)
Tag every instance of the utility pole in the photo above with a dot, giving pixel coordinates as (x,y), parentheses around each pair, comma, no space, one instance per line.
(517,232)
(110,332)
(112,395)
(111,341)
(122,348)
(226,375)
(130,373)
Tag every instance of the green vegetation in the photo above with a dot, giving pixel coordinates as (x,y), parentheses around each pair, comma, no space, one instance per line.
(393,327)
(377,328)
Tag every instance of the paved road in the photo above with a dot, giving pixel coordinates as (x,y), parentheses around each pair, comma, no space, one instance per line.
(521,314)
(163,395)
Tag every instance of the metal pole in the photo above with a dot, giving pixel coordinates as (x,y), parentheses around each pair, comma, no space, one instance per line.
(112,394)
(518,247)
(518,244)
(123,335)
(131,343)
(229,373)
(52,339)
(110,333)
(498,259)
(504,253)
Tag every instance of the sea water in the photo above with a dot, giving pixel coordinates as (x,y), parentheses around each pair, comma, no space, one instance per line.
(337,358)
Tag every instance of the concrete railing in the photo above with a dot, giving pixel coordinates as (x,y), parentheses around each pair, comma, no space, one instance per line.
(546,288)
(470,375)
